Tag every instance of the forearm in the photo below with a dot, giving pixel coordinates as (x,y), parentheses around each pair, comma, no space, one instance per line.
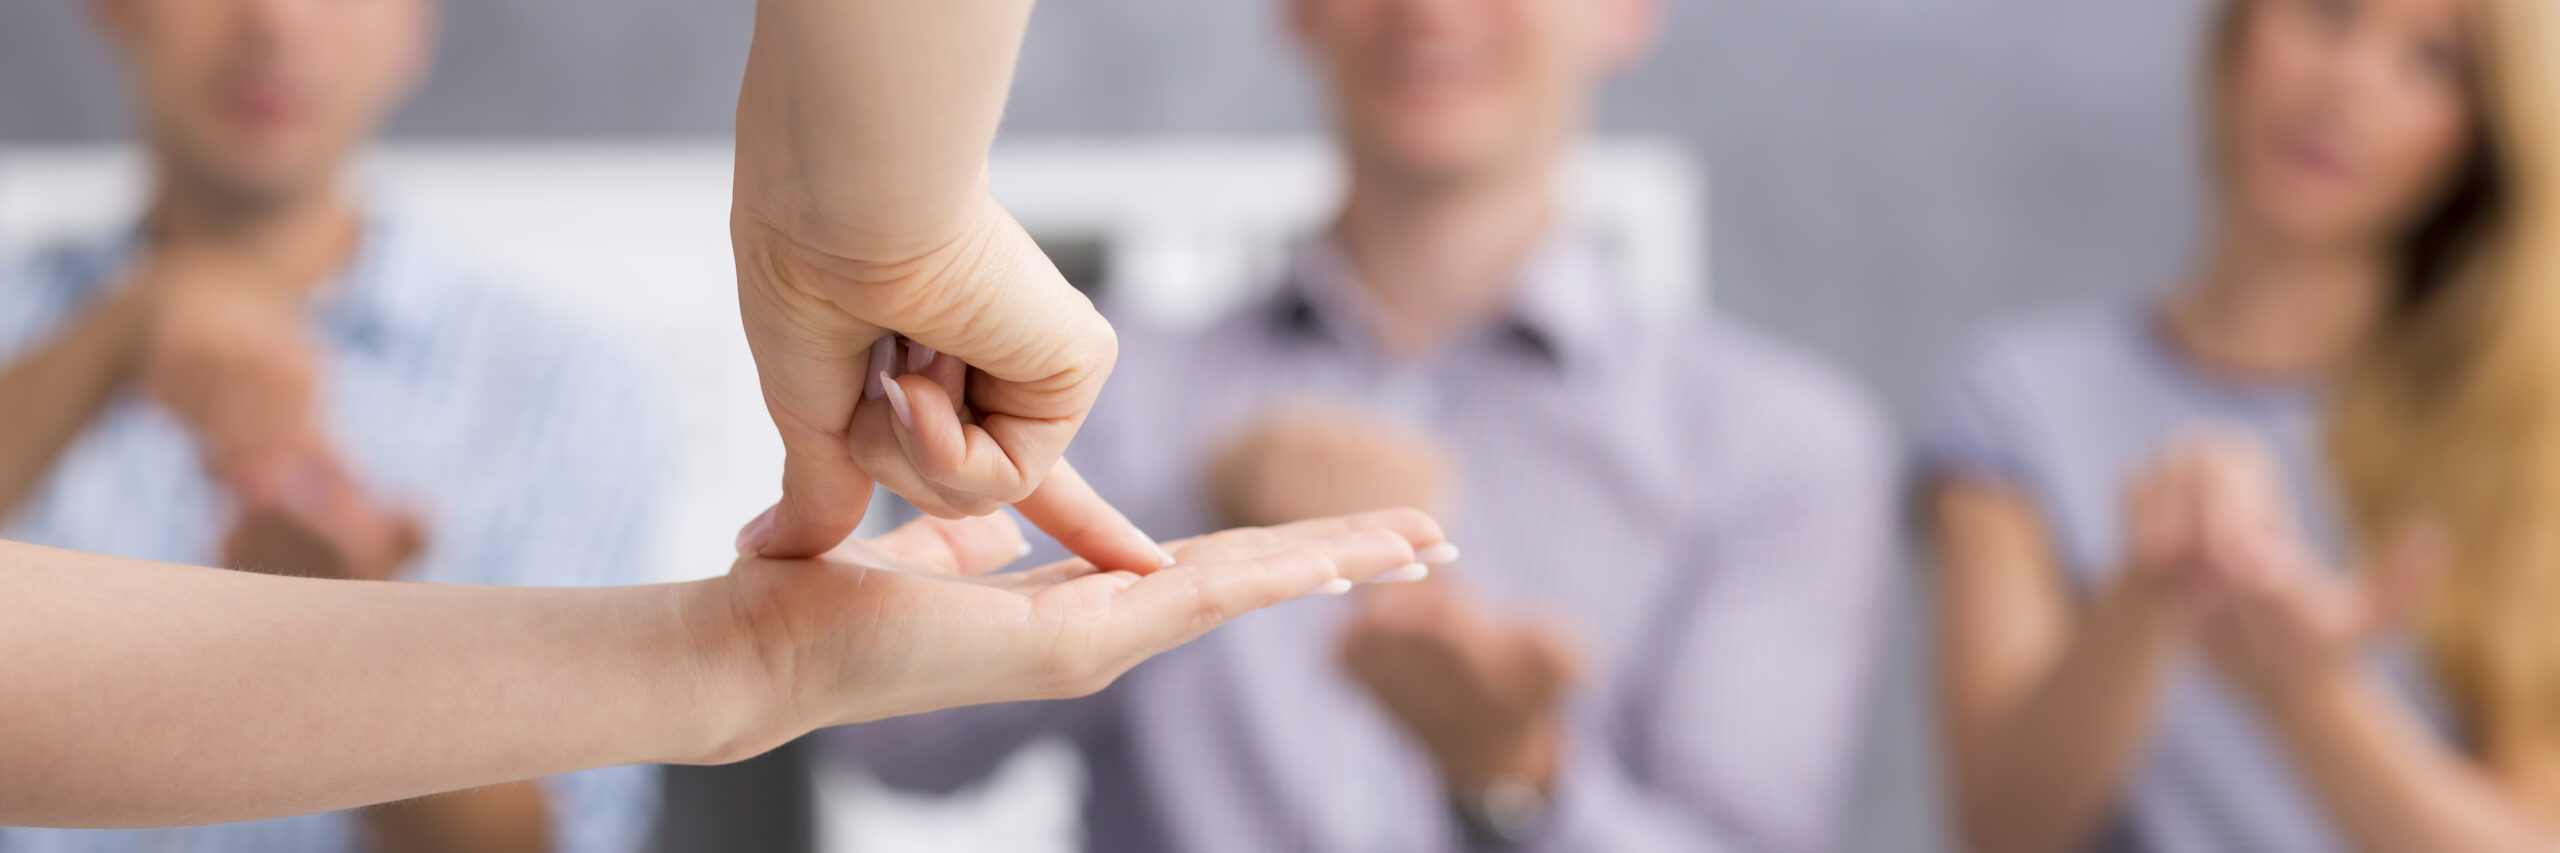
(505,818)
(2389,782)
(57,388)
(876,116)
(2041,775)
(136,693)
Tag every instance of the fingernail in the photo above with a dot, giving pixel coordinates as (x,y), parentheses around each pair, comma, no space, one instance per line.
(1337,586)
(919,357)
(1164,558)
(1025,552)
(883,353)
(1437,555)
(1408,573)
(758,532)
(897,400)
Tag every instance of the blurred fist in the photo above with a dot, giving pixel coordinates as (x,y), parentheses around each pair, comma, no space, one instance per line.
(2213,519)
(1313,463)
(1484,697)
(306,517)
(228,351)
(2209,496)
(233,361)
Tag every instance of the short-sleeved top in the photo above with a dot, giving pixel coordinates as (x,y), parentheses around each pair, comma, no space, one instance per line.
(531,451)
(2068,408)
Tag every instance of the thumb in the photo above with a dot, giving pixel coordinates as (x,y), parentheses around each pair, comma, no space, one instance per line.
(824,496)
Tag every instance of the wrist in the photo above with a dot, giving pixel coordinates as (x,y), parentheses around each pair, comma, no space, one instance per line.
(734,684)
(1533,755)
(1506,804)
(2310,691)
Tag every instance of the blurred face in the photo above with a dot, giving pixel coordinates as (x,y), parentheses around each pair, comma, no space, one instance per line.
(259,100)
(1447,90)
(2347,120)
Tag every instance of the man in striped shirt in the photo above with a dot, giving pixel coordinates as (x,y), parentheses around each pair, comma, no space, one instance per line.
(1679,534)
(263,374)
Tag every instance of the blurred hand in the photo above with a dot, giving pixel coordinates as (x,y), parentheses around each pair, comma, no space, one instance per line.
(2269,613)
(1314,463)
(307,517)
(2205,489)
(227,352)
(913,621)
(1483,697)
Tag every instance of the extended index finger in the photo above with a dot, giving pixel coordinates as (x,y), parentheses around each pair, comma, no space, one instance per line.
(1070,511)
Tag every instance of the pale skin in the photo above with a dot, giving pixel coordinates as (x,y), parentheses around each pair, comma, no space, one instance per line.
(2341,119)
(152,694)
(137,693)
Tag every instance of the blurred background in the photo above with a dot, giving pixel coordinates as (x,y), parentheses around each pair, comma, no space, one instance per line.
(1883,170)
(1869,177)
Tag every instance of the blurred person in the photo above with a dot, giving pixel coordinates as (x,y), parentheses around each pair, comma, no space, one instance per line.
(145,694)
(265,374)
(1678,532)
(2144,513)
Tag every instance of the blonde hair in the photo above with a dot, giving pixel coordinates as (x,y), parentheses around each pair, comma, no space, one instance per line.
(2450,416)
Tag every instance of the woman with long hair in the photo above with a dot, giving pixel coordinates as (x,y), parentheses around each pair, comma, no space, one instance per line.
(2144,515)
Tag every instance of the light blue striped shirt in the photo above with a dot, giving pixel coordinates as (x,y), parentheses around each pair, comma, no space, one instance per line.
(532,453)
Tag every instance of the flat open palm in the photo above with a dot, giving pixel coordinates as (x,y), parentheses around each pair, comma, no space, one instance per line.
(914,621)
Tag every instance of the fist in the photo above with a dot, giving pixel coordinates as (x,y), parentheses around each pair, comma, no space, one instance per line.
(1314,463)
(306,517)
(1483,696)
(237,367)
(2208,499)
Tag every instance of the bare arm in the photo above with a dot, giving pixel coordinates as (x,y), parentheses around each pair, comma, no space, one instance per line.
(2393,785)
(153,694)
(2296,637)
(136,693)
(873,118)
(2044,709)
(57,388)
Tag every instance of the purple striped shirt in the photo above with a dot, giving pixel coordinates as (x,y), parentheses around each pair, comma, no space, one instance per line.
(1711,511)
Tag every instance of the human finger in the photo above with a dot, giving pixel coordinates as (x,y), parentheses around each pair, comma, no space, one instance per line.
(1067,508)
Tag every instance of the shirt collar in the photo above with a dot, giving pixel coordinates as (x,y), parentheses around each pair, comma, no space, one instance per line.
(1565,301)
(384,292)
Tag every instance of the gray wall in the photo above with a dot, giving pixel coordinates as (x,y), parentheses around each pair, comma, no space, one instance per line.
(1888,173)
